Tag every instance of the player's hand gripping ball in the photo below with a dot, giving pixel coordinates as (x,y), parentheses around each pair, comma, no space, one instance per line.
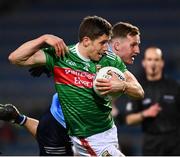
(103,73)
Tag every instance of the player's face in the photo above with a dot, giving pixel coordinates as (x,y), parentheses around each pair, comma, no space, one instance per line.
(128,48)
(153,62)
(98,47)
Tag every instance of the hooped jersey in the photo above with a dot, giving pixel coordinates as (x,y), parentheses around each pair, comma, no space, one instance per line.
(85,112)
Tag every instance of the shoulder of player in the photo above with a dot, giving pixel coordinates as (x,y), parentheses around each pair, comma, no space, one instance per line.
(111,56)
(72,48)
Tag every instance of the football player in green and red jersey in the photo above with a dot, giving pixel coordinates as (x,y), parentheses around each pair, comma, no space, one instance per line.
(73,76)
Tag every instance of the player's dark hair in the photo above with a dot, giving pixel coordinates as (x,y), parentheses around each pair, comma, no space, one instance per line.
(122,29)
(93,27)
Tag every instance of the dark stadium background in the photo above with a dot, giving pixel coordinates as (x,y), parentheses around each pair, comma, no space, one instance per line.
(23,20)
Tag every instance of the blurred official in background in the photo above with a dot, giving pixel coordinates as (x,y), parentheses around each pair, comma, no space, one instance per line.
(159,111)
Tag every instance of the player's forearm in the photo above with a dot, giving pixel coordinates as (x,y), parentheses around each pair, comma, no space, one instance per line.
(31,125)
(21,55)
(132,86)
(134,118)
(134,90)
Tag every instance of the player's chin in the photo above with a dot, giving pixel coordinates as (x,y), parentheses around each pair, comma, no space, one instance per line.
(96,58)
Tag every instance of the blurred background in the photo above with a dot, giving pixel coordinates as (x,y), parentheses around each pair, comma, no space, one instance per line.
(23,20)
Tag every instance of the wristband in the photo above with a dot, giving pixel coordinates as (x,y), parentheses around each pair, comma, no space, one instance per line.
(24,120)
(21,119)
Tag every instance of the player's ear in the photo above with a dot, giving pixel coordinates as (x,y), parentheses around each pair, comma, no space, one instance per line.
(86,41)
(116,45)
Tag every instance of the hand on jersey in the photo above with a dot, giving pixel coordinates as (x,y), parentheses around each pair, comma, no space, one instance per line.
(58,44)
(152,111)
(110,86)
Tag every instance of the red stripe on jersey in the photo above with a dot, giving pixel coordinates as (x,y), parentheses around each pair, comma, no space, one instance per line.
(86,145)
(73,77)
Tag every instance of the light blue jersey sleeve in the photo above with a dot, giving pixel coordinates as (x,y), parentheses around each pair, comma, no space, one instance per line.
(56,110)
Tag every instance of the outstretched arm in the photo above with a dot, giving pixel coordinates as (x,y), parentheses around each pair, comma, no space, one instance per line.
(29,53)
(10,113)
(31,125)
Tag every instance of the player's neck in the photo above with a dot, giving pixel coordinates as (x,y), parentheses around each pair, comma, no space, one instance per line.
(83,51)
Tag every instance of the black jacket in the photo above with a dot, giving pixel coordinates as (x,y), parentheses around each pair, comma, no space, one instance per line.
(166,92)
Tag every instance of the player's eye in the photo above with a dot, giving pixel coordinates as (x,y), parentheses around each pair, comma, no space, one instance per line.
(103,42)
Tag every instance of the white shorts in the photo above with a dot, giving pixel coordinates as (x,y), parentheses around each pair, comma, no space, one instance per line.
(101,144)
